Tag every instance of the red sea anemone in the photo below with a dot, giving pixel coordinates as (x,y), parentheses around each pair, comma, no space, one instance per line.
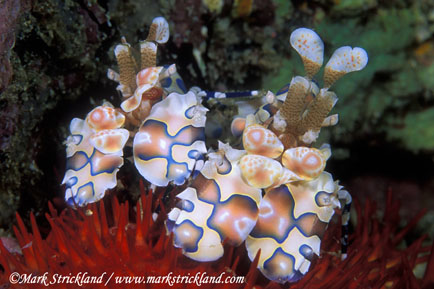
(118,241)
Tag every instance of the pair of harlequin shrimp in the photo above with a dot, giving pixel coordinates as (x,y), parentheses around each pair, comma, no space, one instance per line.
(274,194)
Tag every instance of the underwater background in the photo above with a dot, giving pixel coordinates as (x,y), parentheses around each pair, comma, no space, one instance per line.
(54,57)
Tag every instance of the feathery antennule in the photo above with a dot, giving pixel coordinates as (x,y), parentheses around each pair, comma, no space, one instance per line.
(305,108)
(127,68)
(304,111)
(317,111)
(148,54)
(292,108)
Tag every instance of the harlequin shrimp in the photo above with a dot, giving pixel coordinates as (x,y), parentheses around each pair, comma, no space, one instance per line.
(297,198)
(162,121)
(165,122)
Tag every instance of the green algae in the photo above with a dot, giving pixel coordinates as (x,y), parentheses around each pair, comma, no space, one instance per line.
(415,131)
(353,7)
(393,81)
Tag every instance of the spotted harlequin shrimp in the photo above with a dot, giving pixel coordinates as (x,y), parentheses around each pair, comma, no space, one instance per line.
(299,197)
(167,124)
(302,207)
(163,121)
